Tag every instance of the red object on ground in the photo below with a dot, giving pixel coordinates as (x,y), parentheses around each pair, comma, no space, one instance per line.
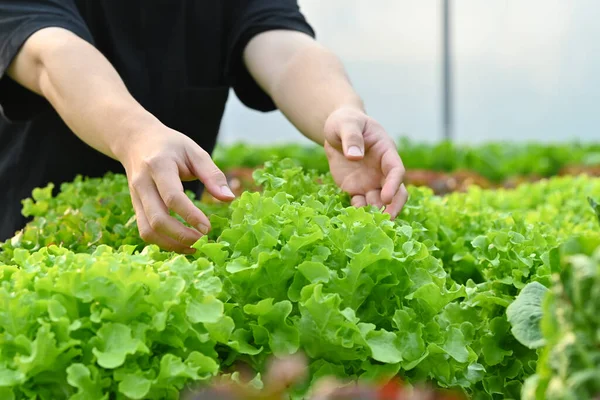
(390,391)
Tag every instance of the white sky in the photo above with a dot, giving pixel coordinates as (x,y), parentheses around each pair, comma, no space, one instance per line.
(524,70)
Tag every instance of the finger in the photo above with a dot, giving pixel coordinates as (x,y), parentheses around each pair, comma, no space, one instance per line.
(157,214)
(170,188)
(374,198)
(393,171)
(358,201)
(149,235)
(346,135)
(213,178)
(353,142)
(398,202)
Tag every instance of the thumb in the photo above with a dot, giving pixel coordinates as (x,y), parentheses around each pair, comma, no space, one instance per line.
(353,142)
(345,133)
(211,176)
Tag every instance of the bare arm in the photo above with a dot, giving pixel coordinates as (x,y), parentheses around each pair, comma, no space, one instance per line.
(305,80)
(310,86)
(83,87)
(89,95)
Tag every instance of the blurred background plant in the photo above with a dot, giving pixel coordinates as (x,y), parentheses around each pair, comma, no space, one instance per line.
(521,70)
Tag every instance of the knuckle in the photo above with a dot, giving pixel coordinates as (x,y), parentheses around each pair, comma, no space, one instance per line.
(157,221)
(152,162)
(352,135)
(146,234)
(401,173)
(191,218)
(216,174)
(136,183)
(172,199)
(202,153)
(147,162)
(182,237)
(199,153)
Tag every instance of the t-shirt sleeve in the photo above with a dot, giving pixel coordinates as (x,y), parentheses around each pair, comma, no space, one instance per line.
(251,18)
(19,19)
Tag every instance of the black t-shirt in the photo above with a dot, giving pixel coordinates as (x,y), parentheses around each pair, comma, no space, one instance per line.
(178,58)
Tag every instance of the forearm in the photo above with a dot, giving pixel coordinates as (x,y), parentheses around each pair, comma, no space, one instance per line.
(83,87)
(306,81)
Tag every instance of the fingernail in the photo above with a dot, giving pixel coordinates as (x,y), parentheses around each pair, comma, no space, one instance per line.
(226,191)
(355,151)
(203,229)
(189,250)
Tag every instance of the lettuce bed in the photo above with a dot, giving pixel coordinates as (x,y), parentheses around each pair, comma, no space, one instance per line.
(88,312)
(567,329)
(494,161)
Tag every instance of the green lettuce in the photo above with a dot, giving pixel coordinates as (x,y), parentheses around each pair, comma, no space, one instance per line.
(427,297)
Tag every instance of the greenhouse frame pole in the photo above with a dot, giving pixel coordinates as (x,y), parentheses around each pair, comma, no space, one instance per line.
(447,106)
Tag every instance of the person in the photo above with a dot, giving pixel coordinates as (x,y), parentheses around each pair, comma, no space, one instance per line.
(140,86)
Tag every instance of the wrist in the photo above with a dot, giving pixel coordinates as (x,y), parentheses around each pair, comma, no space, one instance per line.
(133,125)
(352,104)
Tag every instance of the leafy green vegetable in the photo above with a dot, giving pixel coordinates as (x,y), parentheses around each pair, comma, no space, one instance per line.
(294,268)
(494,161)
(85,213)
(83,325)
(525,314)
(595,206)
(569,364)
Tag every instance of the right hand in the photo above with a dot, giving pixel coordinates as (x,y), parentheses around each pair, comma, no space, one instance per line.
(156,162)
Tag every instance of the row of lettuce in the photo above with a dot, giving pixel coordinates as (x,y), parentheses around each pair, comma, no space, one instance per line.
(88,312)
(496,162)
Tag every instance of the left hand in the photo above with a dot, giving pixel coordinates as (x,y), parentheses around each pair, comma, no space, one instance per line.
(364,160)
